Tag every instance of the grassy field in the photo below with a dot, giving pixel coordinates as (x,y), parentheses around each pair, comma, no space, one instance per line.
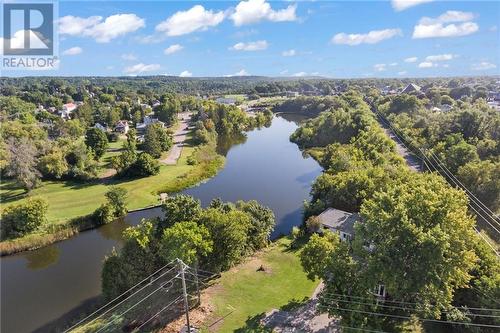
(69,200)
(243,293)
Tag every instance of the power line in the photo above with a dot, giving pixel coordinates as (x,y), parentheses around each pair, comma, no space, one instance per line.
(121,295)
(133,306)
(404,308)
(402,302)
(424,159)
(405,317)
(156,314)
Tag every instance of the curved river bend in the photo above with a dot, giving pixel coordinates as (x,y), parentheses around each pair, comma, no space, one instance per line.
(45,286)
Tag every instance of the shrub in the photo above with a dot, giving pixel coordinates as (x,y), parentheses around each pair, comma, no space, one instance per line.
(20,219)
(104,214)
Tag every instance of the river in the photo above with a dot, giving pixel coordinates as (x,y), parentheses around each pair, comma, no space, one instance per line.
(41,288)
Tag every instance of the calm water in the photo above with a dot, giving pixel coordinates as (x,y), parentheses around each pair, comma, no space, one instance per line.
(42,287)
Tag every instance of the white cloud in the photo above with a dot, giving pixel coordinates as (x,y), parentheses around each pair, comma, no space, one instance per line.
(393,64)
(173,48)
(400,5)
(411,59)
(73,51)
(283,72)
(371,37)
(250,46)
(289,53)
(253,11)
(141,68)
(440,57)
(300,74)
(195,19)
(402,73)
(379,67)
(426,64)
(241,72)
(129,57)
(101,30)
(483,66)
(186,74)
(442,25)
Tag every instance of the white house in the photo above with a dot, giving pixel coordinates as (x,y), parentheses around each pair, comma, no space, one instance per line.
(67,110)
(339,221)
(141,127)
(122,127)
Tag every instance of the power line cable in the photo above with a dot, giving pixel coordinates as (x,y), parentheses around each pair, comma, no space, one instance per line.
(133,306)
(121,295)
(156,314)
(402,302)
(428,320)
(404,308)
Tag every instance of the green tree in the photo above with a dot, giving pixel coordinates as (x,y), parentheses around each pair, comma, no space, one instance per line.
(187,241)
(427,222)
(23,218)
(179,208)
(262,223)
(53,165)
(144,166)
(483,179)
(228,232)
(152,141)
(316,254)
(116,197)
(97,141)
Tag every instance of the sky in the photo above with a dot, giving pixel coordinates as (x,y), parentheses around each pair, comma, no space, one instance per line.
(337,39)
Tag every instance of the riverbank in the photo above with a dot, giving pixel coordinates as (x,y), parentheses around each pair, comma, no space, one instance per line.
(71,203)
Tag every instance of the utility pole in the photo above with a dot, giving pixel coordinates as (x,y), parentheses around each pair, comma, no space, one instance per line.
(197,283)
(182,267)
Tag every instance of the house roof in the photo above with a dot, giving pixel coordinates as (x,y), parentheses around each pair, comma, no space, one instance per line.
(339,220)
(122,123)
(410,88)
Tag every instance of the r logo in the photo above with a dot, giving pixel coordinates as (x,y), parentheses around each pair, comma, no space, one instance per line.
(28,29)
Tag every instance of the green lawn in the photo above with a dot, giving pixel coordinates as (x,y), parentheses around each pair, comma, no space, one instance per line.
(243,293)
(69,199)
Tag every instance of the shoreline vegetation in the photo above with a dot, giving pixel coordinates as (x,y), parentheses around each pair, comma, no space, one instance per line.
(73,205)
(207,164)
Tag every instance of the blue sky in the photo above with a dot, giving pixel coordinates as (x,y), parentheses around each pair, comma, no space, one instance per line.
(336,39)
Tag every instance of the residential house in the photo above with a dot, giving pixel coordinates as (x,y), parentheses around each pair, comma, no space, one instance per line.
(411,88)
(343,223)
(141,127)
(67,110)
(101,127)
(156,103)
(292,94)
(340,222)
(122,127)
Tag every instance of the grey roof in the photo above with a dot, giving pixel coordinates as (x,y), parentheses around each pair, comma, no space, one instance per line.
(339,220)
(410,88)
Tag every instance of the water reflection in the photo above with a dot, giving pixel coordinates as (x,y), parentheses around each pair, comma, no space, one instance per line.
(42,258)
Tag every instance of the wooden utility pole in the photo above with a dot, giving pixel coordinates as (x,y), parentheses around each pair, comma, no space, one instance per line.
(182,267)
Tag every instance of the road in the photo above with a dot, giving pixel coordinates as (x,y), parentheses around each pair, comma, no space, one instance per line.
(180,136)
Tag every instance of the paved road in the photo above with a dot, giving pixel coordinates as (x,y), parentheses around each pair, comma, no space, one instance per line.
(179,137)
